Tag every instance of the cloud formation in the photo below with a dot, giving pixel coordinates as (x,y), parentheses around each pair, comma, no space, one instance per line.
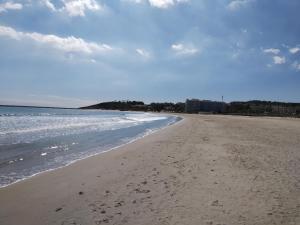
(284,57)
(237,4)
(49,5)
(294,50)
(10,6)
(213,42)
(68,44)
(143,52)
(181,49)
(164,3)
(74,7)
(274,51)
(296,66)
(279,60)
(78,7)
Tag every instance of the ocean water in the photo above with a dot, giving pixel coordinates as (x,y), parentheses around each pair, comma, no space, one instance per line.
(33,140)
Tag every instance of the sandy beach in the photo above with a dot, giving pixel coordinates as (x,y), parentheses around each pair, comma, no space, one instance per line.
(204,170)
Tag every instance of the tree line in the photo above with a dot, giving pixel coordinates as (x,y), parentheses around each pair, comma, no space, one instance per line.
(254,107)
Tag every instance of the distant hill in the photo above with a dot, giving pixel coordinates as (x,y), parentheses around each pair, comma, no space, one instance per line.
(118,105)
(138,106)
(251,108)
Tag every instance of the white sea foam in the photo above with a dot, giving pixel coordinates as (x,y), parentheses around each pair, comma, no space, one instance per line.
(26,129)
(145,118)
(126,141)
(66,138)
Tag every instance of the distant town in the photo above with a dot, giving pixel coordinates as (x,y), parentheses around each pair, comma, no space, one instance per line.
(249,108)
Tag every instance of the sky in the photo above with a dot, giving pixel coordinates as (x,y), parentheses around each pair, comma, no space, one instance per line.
(72,53)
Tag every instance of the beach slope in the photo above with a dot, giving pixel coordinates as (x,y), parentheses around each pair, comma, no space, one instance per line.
(205,169)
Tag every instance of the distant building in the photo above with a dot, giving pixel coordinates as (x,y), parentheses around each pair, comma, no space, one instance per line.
(196,106)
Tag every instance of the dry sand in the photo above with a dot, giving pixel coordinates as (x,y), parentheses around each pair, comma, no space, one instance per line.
(204,170)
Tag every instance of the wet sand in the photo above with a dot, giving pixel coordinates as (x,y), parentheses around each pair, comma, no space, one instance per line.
(206,169)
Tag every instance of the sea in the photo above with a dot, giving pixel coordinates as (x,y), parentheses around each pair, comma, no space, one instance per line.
(34,140)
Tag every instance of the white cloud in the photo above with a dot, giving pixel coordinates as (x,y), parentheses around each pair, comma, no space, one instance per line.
(74,7)
(279,60)
(163,4)
(10,6)
(237,4)
(78,7)
(294,50)
(66,44)
(49,5)
(143,52)
(274,51)
(9,32)
(133,1)
(180,49)
(276,58)
(296,65)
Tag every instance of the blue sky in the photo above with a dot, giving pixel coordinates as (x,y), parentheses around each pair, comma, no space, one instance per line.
(80,52)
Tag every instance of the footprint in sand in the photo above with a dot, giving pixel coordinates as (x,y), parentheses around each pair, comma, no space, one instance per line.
(71,222)
(118,204)
(58,209)
(205,139)
(216,203)
(144,182)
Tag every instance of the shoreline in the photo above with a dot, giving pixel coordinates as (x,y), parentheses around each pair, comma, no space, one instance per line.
(180,118)
(206,169)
